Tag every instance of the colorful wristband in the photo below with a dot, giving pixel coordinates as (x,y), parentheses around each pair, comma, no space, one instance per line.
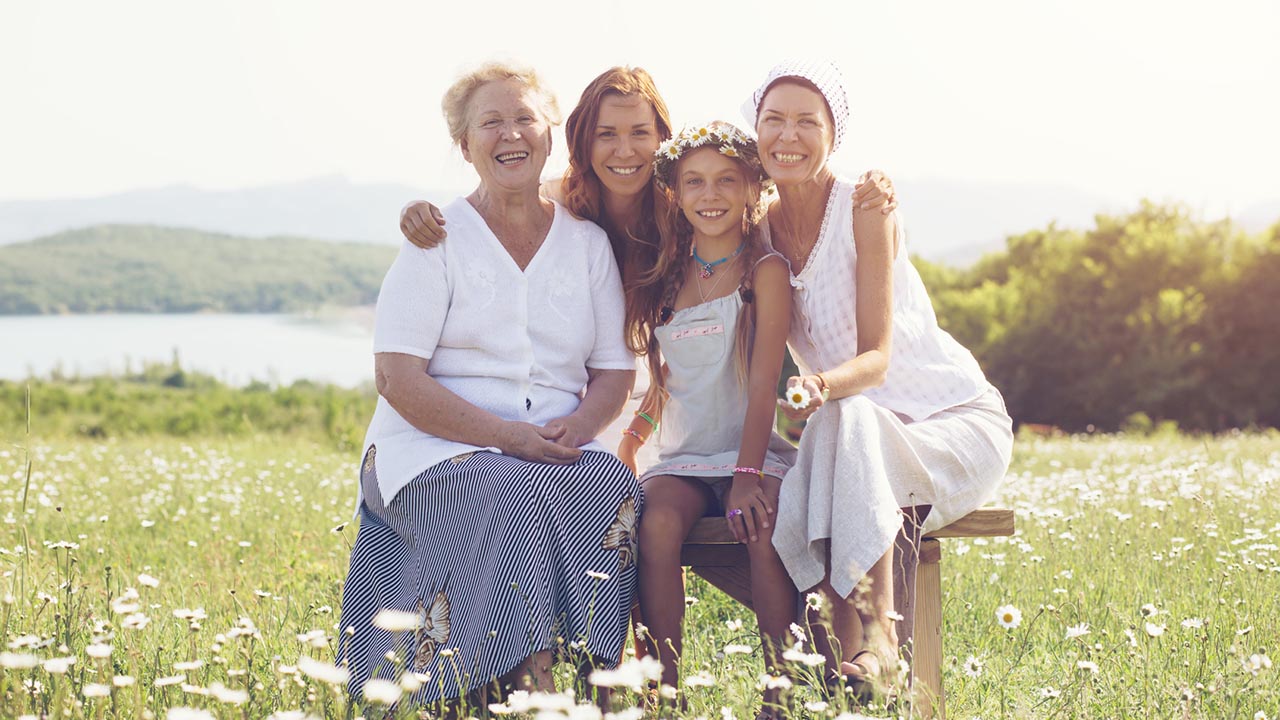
(749,471)
(645,416)
(634,434)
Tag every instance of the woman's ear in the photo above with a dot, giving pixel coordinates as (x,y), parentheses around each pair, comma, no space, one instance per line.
(462,145)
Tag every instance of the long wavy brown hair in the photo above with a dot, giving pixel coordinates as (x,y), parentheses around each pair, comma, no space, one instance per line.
(664,278)
(635,248)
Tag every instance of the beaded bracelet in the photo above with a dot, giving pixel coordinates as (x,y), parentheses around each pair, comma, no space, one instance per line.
(634,434)
(749,471)
(645,416)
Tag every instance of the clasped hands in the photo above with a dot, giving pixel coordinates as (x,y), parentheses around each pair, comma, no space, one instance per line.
(558,442)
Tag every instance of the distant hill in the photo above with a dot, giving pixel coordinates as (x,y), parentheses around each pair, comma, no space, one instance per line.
(948,221)
(330,208)
(139,268)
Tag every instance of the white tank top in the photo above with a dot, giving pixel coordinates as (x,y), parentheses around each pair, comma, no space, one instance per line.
(928,370)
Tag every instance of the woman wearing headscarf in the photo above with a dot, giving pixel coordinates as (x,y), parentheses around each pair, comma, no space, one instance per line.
(901,422)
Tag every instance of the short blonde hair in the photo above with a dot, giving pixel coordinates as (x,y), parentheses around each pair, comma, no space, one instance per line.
(457,99)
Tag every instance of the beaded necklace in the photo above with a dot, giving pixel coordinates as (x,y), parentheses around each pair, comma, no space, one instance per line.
(708,268)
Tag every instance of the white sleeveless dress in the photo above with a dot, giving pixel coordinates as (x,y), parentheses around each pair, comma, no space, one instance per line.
(935,433)
(702,421)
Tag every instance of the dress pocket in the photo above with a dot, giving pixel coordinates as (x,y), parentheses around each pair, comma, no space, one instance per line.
(696,344)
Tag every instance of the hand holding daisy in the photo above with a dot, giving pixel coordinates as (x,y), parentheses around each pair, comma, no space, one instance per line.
(803,397)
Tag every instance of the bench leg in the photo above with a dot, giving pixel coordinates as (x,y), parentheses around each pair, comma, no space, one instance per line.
(926,666)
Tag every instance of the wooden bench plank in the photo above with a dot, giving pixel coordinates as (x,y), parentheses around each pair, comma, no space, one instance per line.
(984,522)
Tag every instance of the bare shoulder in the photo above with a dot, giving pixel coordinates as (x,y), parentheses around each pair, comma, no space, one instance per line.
(772,274)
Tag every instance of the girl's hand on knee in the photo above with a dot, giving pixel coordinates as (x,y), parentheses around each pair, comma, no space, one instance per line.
(749,507)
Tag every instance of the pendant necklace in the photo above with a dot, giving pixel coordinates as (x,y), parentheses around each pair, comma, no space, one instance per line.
(710,292)
(707,269)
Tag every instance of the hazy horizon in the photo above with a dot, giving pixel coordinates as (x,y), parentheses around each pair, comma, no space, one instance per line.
(1172,101)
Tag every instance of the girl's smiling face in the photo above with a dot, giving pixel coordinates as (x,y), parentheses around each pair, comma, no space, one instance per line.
(713,192)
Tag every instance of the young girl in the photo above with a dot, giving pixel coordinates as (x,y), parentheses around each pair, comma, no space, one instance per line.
(720,321)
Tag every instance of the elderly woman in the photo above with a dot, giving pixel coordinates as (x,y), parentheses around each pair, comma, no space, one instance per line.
(489,517)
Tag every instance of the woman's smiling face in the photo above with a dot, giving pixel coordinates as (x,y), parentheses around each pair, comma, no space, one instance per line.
(507,139)
(625,139)
(796,132)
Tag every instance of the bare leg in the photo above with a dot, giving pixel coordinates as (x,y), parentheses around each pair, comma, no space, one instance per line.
(836,629)
(534,673)
(672,506)
(773,595)
(873,601)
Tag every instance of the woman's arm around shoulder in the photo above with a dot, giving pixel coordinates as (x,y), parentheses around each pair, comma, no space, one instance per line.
(422,224)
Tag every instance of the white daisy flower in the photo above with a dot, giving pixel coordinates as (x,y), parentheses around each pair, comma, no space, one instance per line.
(1256,663)
(395,620)
(798,398)
(737,650)
(382,692)
(18,661)
(972,667)
(1009,616)
(699,135)
(1154,630)
(95,690)
(670,150)
(702,679)
(323,672)
(1076,631)
(728,151)
(222,693)
(1089,665)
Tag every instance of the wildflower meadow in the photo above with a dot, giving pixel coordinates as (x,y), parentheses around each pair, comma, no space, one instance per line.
(154,577)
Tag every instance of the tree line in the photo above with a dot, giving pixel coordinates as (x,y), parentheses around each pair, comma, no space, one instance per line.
(1147,317)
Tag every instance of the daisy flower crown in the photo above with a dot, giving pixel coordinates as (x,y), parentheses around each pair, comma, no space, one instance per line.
(723,136)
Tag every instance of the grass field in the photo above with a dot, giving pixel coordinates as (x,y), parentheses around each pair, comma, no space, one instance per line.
(140,576)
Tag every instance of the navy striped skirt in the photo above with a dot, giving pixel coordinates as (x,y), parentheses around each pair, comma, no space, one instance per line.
(498,558)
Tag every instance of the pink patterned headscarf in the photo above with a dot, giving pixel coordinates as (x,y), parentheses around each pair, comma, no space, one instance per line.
(824,74)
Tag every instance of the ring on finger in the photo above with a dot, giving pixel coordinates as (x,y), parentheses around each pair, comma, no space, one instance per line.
(733,513)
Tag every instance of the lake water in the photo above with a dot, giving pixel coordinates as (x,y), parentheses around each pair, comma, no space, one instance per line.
(334,348)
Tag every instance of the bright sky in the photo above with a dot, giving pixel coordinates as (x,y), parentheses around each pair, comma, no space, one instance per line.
(1167,99)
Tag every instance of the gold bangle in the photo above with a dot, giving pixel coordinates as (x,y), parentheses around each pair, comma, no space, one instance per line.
(823,387)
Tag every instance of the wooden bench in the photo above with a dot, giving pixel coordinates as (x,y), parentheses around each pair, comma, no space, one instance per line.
(711,552)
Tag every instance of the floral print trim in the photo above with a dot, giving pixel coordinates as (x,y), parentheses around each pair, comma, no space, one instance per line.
(621,535)
(432,631)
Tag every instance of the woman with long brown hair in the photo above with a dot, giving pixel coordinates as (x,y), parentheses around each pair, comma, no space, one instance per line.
(612,136)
